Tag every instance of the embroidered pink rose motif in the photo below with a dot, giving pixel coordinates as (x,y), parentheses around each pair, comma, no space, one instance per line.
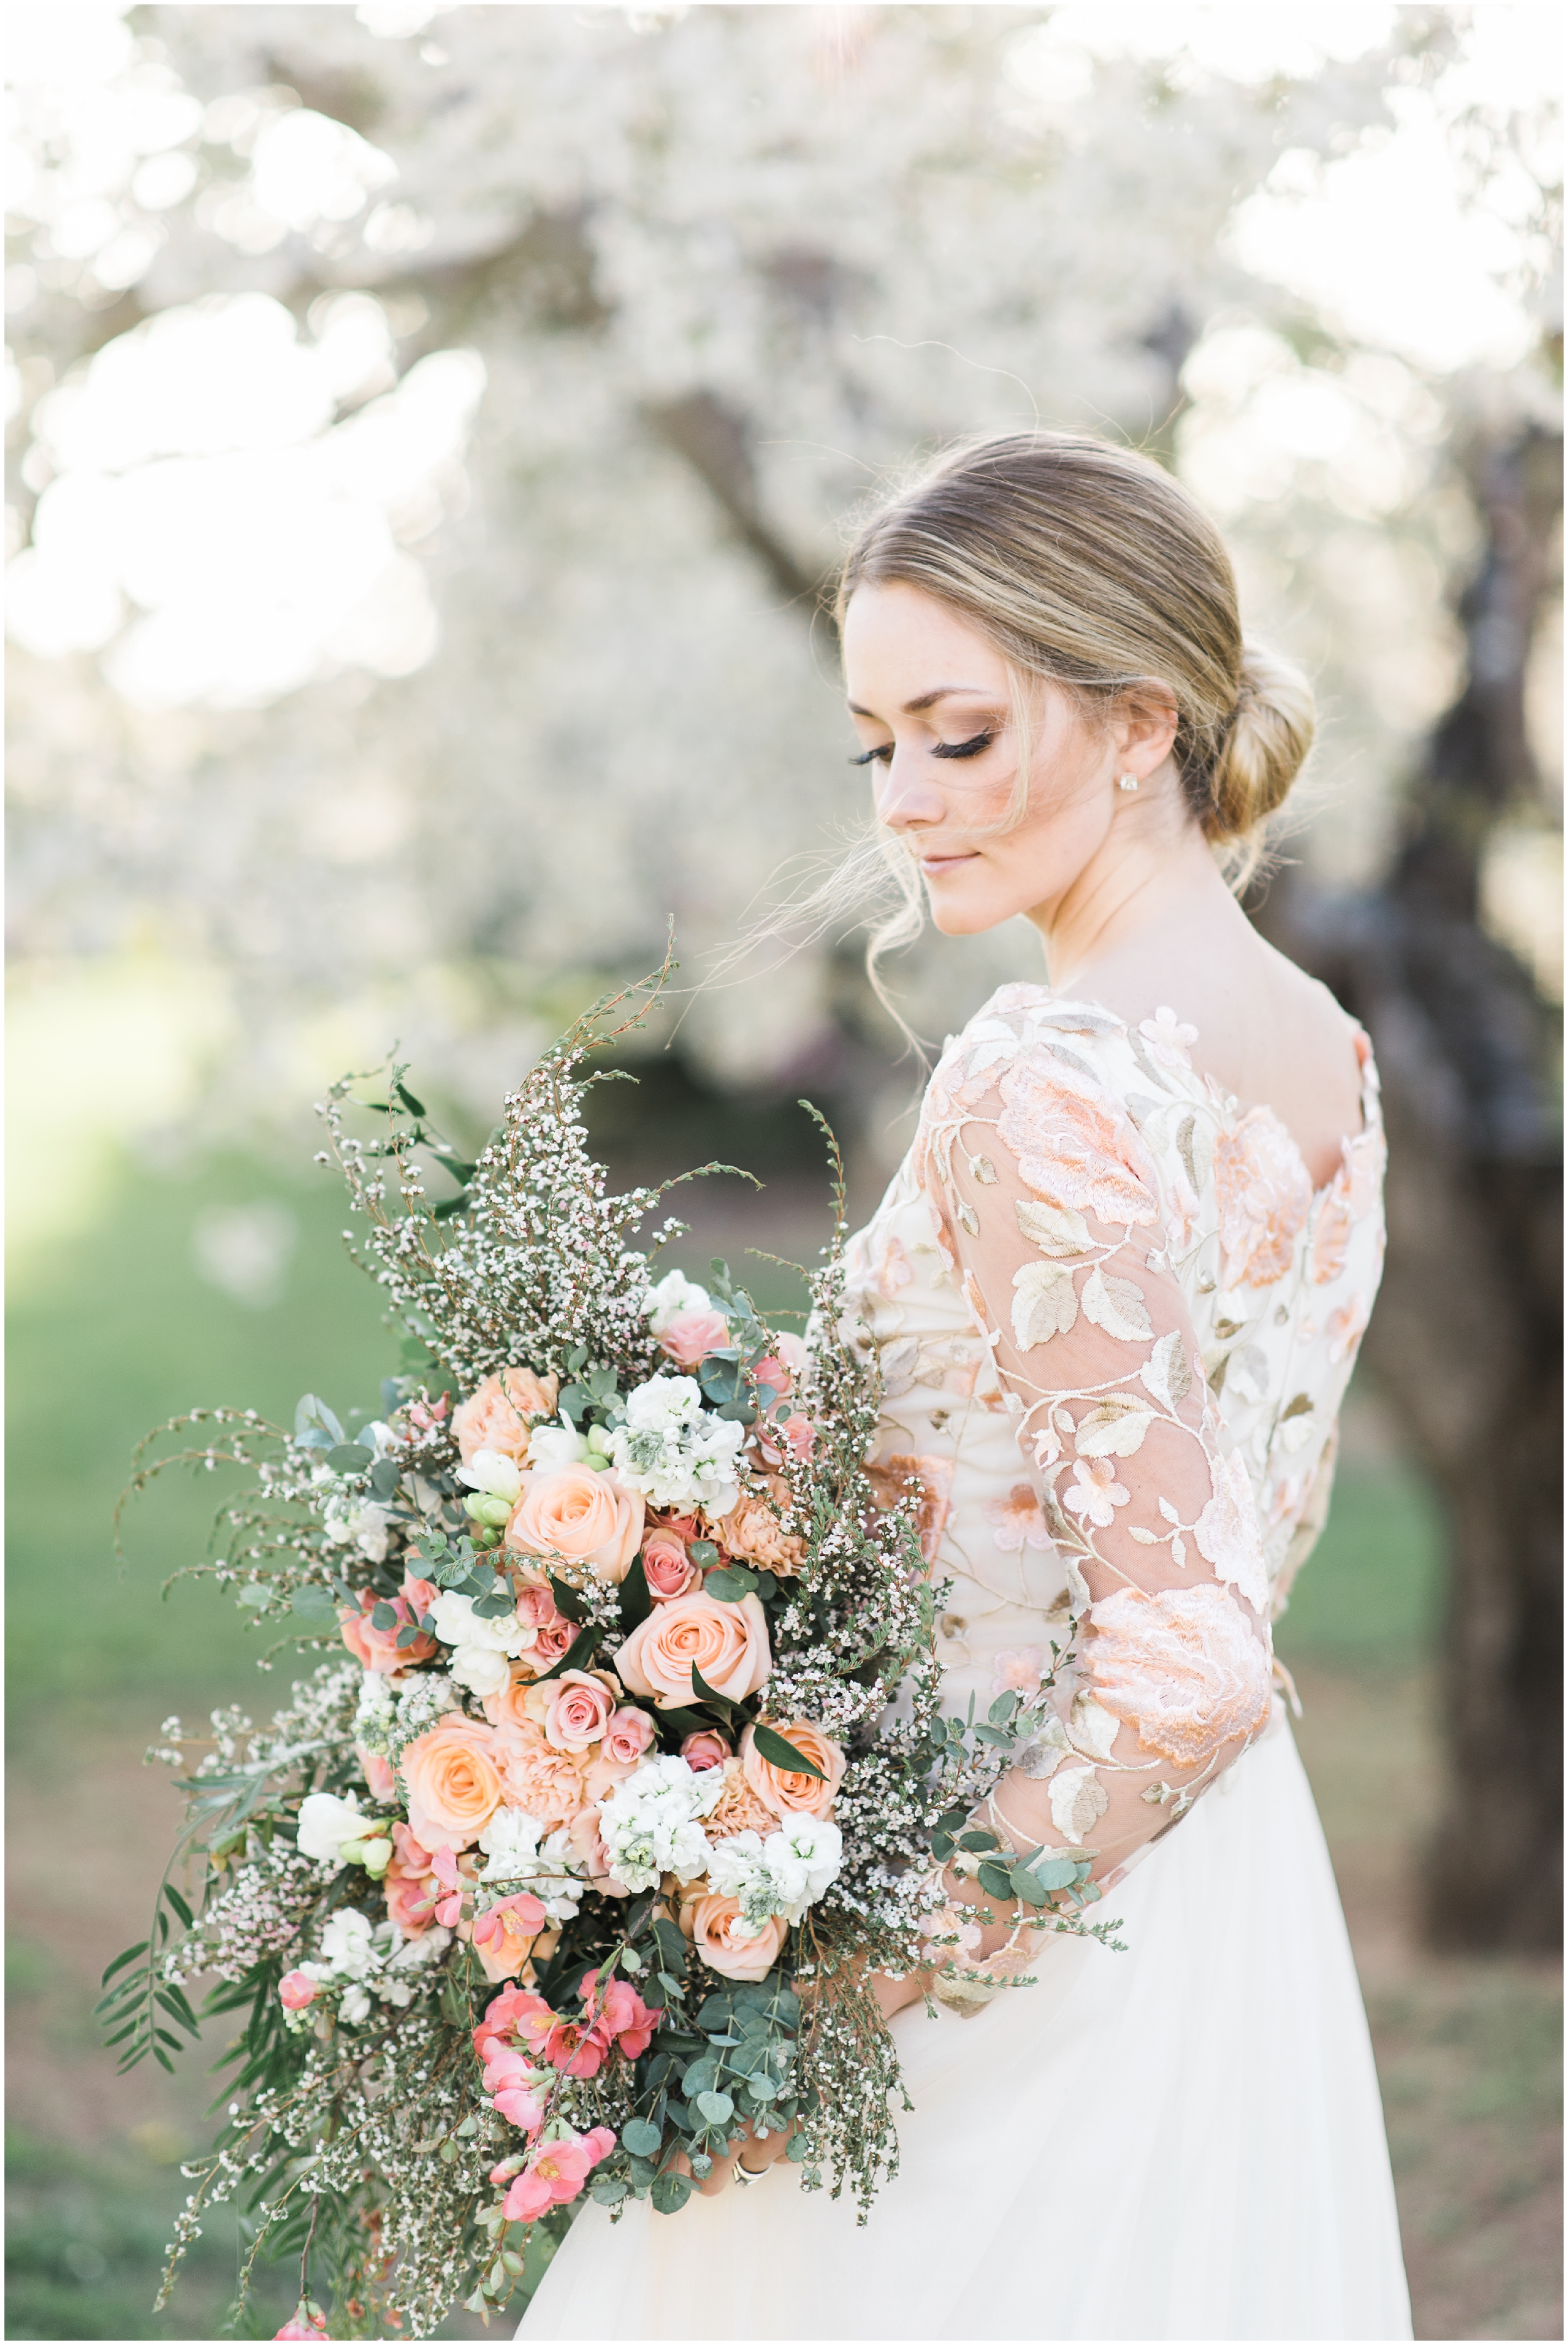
(1347,1326)
(1075,1145)
(1017,1671)
(1182,1668)
(1264,1198)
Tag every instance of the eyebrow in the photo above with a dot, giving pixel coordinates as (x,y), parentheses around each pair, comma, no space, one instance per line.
(926,700)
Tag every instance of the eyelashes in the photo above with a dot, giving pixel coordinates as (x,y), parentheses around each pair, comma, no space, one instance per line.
(970,748)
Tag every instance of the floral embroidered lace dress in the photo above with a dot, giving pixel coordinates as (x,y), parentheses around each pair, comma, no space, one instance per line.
(1115,1324)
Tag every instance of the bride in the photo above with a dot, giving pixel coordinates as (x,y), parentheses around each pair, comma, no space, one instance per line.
(1061,720)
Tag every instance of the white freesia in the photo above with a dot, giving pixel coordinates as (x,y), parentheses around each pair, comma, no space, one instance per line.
(650,1823)
(674,1294)
(556,1445)
(327,1824)
(349,1946)
(498,1476)
(674,1451)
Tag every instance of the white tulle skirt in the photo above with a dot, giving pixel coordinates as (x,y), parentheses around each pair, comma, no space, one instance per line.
(1181,2141)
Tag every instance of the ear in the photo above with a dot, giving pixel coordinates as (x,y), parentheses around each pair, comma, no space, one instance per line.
(1144,728)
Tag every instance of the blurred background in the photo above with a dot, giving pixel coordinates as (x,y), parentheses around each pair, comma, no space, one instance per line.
(429,429)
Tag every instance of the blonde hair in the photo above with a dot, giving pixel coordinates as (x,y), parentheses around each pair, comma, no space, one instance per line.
(1089,567)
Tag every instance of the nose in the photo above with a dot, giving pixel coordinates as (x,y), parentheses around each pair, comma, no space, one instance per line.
(907,800)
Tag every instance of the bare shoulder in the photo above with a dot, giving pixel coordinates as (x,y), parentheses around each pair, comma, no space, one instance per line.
(1266,1031)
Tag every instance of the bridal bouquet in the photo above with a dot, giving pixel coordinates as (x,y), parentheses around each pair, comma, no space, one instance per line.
(623,1767)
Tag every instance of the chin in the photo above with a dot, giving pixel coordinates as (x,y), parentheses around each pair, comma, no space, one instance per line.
(955,912)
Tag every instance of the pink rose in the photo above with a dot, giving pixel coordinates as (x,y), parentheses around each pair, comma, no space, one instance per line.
(579,1709)
(708,1749)
(627,1734)
(690,1336)
(503,1936)
(710,1921)
(497,1416)
(667,1567)
(552,1632)
(378,1774)
(378,1649)
(295,1991)
(793,1791)
(308,2320)
(727,1643)
(452,1772)
(572,1511)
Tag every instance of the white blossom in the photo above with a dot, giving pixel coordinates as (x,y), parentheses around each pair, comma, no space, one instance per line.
(674,1294)
(674,1450)
(329,1824)
(498,1476)
(651,1824)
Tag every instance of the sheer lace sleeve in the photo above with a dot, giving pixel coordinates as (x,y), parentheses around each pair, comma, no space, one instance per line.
(1051,1214)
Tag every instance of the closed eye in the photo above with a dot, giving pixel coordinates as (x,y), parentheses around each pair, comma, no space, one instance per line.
(882,754)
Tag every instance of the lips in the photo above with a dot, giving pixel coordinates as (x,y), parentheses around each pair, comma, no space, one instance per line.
(936,866)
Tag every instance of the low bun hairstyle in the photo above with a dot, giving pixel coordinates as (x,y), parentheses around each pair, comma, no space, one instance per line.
(1087,564)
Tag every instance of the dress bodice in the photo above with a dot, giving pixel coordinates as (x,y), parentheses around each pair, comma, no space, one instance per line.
(1115,1324)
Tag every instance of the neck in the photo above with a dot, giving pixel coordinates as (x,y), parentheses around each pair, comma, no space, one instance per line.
(1144,876)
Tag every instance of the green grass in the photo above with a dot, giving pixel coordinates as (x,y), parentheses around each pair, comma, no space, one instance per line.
(1370,1593)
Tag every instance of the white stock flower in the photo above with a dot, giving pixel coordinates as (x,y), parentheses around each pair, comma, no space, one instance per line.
(737,1865)
(674,1294)
(365,1527)
(497,1475)
(650,1822)
(802,1860)
(326,1825)
(674,1450)
(547,1864)
(354,2006)
(348,1945)
(376,1705)
(483,1646)
(414,1954)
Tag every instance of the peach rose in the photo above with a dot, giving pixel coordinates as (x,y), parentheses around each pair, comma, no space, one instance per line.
(627,1735)
(496,1415)
(378,1649)
(570,1510)
(791,1792)
(535,1776)
(751,1529)
(691,1334)
(708,1749)
(709,1920)
(667,1567)
(737,1808)
(577,1710)
(728,1643)
(452,1772)
(604,1774)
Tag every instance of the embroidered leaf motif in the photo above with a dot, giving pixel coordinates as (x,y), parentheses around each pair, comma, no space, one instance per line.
(1078,1801)
(1169,1511)
(1144,1538)
(1300,1406)
(1178,1549)
(1192,1145)
(1117,1305)
(1077,1586)
(1044,1304)
(982,1169)
(1168,1373)
(969,1218)
(1114,1428)
(1247,1380)
(1080,1021)
(1055,1229)
(1092,1729)
(1040,1758)
(898,1363)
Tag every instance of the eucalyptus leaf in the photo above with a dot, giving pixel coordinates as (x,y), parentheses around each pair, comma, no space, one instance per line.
(351,1458)
(640,2137)
(717,2108)
(729,1586)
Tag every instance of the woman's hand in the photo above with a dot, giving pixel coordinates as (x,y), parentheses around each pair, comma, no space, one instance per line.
(756,2156)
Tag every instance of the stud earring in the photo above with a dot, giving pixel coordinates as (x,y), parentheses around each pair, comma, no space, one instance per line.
(1127,781)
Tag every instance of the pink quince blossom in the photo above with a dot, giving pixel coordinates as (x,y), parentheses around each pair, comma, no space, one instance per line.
(622,2012)
(556,2175)
(308,2320)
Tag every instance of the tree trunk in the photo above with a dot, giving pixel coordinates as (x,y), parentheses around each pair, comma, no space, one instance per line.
(1466,1340)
